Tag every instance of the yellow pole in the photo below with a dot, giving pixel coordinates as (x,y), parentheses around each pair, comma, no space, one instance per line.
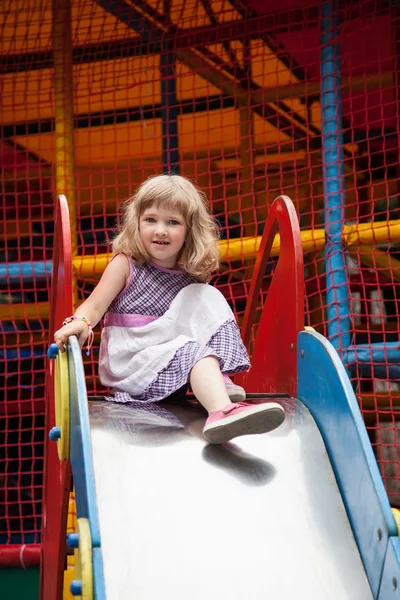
(380,261)
(65,182)
(64,114)
(372,401)
(372,234)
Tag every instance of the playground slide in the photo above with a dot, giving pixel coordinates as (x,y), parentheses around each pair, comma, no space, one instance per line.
(300,512)
(261,517)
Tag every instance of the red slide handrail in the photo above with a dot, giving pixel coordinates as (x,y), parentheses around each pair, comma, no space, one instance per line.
(57,475)
(274,360)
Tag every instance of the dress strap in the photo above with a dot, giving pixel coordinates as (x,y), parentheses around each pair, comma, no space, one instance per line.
(131,274)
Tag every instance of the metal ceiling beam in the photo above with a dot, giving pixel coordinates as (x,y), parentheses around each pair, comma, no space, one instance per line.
(303,18)
(19,148)
(257,27)
(107,118)
(207,5)
(153,27)
(367,9)
(85,53)
(268,37)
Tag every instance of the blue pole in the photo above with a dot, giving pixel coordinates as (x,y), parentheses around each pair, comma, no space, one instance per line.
(169,103)
(169,113)
(338,293)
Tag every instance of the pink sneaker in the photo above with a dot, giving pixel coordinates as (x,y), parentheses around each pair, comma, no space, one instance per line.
(235,392)
(242,418)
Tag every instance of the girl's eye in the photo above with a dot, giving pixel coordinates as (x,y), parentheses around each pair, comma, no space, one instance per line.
(150,220)
(174,222)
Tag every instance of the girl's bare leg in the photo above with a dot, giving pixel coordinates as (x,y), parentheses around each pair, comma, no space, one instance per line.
(238,419)
(208,385)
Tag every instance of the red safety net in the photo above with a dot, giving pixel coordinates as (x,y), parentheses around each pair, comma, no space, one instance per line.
(241,82)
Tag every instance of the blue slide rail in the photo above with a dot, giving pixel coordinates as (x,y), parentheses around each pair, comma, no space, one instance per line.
(325,389)
(82,461)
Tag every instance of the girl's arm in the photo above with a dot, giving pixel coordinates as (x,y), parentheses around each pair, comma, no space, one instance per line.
(93,308)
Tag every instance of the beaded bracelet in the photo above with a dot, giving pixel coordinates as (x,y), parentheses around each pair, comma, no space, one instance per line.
(91,334)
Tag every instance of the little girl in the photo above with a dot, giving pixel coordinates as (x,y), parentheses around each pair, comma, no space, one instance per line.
(165,328)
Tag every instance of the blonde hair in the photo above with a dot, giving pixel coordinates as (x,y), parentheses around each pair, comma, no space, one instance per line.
(200,254)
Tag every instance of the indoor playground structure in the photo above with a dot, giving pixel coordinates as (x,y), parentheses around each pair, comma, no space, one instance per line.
(287,115)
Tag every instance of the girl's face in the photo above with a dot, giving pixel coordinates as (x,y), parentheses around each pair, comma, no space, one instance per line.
(163,233)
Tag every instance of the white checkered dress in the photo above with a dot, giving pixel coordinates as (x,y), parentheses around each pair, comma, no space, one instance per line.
(151,292)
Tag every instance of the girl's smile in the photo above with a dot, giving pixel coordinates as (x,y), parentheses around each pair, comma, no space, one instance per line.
(163,232)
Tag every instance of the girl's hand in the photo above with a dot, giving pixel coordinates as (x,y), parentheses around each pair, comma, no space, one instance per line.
(78,328)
